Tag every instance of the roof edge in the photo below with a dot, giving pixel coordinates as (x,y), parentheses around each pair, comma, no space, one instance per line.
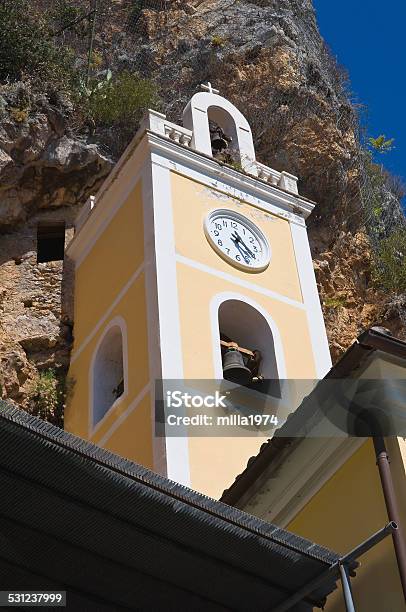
(375,338)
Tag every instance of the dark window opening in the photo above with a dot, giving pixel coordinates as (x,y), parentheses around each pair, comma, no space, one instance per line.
(50,242)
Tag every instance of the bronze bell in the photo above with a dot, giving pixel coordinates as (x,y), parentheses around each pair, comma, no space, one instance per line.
(234,368)
(218,143)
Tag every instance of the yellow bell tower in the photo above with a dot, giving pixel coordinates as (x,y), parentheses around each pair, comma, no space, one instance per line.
(190,243)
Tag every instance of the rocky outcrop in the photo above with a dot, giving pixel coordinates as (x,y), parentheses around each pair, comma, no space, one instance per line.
(45,175)
(41,165)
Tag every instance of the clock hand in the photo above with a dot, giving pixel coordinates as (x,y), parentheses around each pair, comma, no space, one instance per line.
(244,254)
(239,239)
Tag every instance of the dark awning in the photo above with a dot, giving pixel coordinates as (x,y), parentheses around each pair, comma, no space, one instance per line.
(117,536)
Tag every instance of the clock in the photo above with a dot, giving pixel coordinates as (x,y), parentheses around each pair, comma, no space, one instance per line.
(237,240)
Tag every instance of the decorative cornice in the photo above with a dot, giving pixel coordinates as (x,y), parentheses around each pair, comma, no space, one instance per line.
(282,203)
(241,180)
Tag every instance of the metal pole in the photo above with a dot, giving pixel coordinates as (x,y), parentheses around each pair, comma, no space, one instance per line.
(345,581)
(91,37)
(382,461)
(362,548)
(333,571)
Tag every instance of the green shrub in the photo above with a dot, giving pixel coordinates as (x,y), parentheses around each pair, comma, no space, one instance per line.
(218,41)
(47,397)
(20,115)
(390,262)
(120,101)
(96,60)
(376,181)
(335,302)
(381,144)
(234,163)
(26,47)
(68,16)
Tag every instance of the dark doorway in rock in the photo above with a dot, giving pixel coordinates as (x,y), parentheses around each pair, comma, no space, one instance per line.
(50,241)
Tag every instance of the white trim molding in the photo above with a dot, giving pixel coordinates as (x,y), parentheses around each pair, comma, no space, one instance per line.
(240,185)
(310,294)
(231,278)
(168,323)
(151,296)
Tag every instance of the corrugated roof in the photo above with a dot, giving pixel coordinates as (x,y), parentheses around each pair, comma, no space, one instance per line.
(374,339)
(117,536)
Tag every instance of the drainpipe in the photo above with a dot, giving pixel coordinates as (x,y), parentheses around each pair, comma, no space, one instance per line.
(382,461)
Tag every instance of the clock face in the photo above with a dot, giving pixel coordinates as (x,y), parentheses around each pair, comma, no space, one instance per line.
(237,240)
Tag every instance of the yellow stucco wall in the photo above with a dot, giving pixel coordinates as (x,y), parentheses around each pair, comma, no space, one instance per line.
(347,510)
(113,267)
(196,290)
(192,201)
(133,438)
(228,456)
(112,261)
(214,462)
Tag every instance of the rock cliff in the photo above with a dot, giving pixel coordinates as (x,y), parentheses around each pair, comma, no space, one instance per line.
(45,175)
(268,58)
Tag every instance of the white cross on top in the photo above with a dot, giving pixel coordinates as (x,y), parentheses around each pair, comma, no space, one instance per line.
(208,87)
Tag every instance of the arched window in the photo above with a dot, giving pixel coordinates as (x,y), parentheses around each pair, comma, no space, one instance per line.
(243,324)
(108,373)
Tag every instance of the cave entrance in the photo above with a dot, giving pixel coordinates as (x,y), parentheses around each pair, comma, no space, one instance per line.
(50,241)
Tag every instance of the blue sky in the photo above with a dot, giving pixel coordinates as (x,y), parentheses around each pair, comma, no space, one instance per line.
(368,38)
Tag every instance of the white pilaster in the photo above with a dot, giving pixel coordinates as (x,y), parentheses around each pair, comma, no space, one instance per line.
(169,336)
(321,351)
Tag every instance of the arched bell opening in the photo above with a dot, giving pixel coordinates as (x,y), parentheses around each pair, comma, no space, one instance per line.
(108,373)
(223,135)
(219,129)
(248,348)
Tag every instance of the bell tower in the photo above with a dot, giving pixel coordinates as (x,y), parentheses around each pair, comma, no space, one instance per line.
(192,262)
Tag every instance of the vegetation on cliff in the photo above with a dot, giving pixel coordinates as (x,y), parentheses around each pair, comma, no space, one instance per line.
(32,56)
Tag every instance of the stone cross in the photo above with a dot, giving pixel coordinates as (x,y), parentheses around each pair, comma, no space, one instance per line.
(209,88)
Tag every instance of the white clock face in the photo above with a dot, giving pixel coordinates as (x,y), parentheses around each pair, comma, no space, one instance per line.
(237,240)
